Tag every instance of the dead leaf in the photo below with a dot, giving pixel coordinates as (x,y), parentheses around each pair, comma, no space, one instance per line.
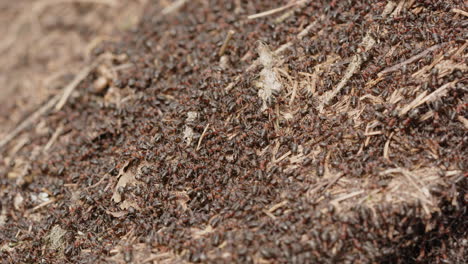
(126,177)
(56,237)
(18,201)
(116,214)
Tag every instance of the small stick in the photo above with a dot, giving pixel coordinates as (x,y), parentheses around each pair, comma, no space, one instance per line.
(282,157)
(460,50)
(373,133)
(387,147)
(53,138)
(388,8)
(157,257)
(202,136)
(306,30)
(226,42)
(276,206)
(44,204)
(347,196)
(275,10)
(272,216)
(58,101)
(374,192)
(422,98)
(398,8)
(173,7)
(353,67)
(425,69)
(29,121)
(293,94)
(408,61)
(79,78)
(459,11)
(19,145)
(97,183)
(327,185)
(463,120)
(71,86)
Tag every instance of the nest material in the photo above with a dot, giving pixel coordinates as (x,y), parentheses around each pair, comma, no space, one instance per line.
(344,141)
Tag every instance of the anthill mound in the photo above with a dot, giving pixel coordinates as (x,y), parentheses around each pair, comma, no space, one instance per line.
(253,132)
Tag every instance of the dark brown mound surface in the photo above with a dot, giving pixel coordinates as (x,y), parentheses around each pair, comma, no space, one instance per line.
(326,132)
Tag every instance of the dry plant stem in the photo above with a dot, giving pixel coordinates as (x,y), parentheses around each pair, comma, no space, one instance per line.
(463,120)
(275,10)
(459,11)
(387,147)
(54,137)
(410,60)
(202,136)
(71,86)
(398,8)
(347,196)
(388,8)
(18,146)
(306,30)
(225,43)
(58,101)
(99,182)
(369,195)
(422,98)
(353,67)
(276,206)
(427,68)
(29,121)
(44,204)
(173,7)
(272,216)
(412,180)
(460,50)
(157,257)
(327,185)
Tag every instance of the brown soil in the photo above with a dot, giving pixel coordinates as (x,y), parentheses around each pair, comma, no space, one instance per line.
(322,132)
(45,42)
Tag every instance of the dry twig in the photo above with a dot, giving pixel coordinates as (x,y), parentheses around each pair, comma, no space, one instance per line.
(173,7)
(71,86)
(226,42)
(368,42)
(275,10)
(202,136)
(44,204)
(459,11)
(347,196)
(463,120)
(410,60)
(58,101)
(29,121)
(387,147)
(53,138)
(422,98)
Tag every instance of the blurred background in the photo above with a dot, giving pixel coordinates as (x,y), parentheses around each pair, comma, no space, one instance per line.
(45,42)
